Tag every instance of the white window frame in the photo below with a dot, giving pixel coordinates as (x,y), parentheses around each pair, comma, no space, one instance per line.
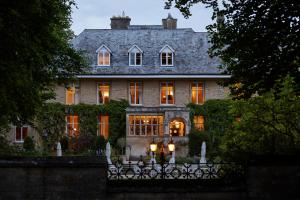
(102,50)
(139,125)
(141,90)
(97,91)
(203,91)
(160,97)
(22,138)
(167,49)
(134,50)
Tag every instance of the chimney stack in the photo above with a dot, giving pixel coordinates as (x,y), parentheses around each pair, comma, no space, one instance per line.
(169,22)
(120,22)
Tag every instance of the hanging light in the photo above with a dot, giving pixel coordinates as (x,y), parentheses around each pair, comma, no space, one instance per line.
(153,146)
(171,146)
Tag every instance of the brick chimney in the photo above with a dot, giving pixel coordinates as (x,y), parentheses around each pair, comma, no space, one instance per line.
(120,22)
(169,22)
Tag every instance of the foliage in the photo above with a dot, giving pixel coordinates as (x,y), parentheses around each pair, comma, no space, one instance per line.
(117,120)
(35,53)
(195,141)
(28,144)
(64,142)
(101,142)
(51,123)
(257,40)
(216,121)
(269,124)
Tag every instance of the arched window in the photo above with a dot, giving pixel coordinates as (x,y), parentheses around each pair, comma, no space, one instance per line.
(103,58)
(167,56)
(135,56)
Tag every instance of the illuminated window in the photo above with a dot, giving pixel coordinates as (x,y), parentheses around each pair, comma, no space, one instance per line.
(21,133)
(166,93)
(199,122)
(103,93)
(197,93)
(70,95)
(166,56)
(103,56)
(135,56)
(72,125)
(145,125)
(104,125)
(136,92)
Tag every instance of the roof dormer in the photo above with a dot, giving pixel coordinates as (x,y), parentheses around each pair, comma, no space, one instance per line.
(167,56)
(103,56)
(135,56)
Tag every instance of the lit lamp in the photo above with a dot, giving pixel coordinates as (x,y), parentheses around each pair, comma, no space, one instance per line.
(153,146)
(171,146)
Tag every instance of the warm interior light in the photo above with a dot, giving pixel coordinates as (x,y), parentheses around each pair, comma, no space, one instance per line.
(153,146)
(171,146)
(177,124)
(105,94)
(75,129)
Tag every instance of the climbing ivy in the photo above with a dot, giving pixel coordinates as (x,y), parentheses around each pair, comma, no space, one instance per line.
(216,120)
(51,123)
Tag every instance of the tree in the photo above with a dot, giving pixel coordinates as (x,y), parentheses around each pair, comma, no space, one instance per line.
(257,40)
(35,53)
(269,124)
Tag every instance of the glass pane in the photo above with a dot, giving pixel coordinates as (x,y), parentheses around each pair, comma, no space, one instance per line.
(138,58)
(18,133)
(200,93)
(100,58)
(194,93)
(24,132)
(163,58)
(132,59)
(106,58)
(103,93)
(70,94)
(163,95)
(170,61)
(132,93)
(170,93)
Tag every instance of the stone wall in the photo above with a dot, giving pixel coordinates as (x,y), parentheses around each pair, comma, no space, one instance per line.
(267,178)
(151,91)
(52,178)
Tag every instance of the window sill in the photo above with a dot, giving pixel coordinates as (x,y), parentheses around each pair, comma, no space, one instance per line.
(18,142)
(168,105)
(136,105)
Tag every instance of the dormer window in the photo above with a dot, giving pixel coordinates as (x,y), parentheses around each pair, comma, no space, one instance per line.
(103,56)
(167,56)
(135,56)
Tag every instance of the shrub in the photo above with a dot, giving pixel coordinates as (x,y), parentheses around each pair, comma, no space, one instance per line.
(269,124)
(195,141)
(64,142)
(101,142)
(28,144)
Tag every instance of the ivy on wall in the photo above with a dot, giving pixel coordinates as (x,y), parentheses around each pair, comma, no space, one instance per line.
(51,121)
(216,120)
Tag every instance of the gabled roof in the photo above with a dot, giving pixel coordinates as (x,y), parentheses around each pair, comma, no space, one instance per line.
(168,47)
(103,46)
(191,50)
(133,47)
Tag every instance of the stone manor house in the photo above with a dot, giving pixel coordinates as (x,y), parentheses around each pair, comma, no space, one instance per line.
(159,69)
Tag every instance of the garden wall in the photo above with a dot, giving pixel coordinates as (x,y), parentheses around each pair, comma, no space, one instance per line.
(85,178)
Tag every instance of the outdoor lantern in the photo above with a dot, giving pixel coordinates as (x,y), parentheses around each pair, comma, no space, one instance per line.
(171,146)
(153,146)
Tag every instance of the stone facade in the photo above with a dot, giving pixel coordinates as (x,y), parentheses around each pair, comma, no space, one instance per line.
(119,89)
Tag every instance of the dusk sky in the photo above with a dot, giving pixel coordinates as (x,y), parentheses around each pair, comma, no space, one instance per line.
(95,14)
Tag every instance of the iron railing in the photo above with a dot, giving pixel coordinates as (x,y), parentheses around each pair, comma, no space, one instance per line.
(144,171)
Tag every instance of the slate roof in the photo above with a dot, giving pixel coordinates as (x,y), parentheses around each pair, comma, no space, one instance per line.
(190,50)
